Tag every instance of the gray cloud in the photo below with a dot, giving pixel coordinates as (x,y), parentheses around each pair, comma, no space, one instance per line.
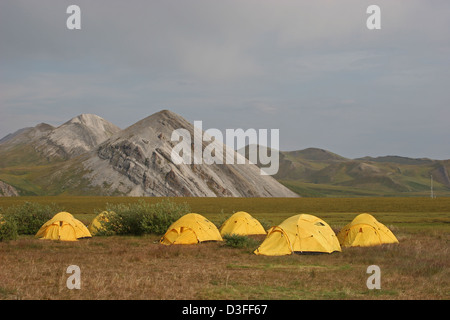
(310,68)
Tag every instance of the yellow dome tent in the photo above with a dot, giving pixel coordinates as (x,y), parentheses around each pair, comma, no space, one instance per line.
(96,225)
(241,223)
(365,231)
(190,229)
(63,226)
(300,234)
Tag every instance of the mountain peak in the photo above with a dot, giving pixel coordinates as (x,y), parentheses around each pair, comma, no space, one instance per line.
(78,135)
(163,114)
(138,161)
(88,119)
(166,112)
(44,126)
(164,121)
(316,154)
(87,116)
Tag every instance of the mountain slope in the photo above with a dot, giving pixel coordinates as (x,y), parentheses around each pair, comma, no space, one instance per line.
(317,172)
(19,148)
(390,175)
(137,161)
(76,136)
(26,135)
(89,156)
(315,154)
(7,191)
(44,143)
(31,157)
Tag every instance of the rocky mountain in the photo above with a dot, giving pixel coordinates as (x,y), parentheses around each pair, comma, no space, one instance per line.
(137,161)
(44,143)
(25,136)
(87,156)
(20,147)
(7,191)
(76,136)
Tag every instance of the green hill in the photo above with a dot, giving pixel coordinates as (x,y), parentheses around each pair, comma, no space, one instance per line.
(314,172)
(332,175)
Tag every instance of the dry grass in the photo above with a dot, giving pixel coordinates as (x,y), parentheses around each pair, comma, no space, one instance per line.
(141,268)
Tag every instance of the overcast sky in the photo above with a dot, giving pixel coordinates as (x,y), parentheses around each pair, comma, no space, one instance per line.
(309,68)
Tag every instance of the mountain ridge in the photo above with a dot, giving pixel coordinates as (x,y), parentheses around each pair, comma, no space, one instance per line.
(134,161)
(89,155)
(147,164)
(320,173)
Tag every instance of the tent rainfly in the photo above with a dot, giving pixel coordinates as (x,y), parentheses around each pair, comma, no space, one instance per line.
(97,224)
(241,223)
(365,231)
(190,229)
(63,226)
(303,233)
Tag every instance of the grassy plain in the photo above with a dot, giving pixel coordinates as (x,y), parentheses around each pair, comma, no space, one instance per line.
(141,268)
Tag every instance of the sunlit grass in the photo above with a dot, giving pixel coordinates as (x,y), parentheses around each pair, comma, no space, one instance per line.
(138,267)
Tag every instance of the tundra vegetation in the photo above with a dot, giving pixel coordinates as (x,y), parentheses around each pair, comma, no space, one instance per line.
(128,266)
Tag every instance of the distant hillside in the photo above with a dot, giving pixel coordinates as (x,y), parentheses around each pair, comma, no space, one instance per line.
(320,173)
(399,160)
(314,154)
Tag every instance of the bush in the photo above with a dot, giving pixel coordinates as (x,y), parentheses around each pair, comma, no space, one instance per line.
(238,241)
(8,228)
(162,215)
(29,217)
(124,218)
(143,218)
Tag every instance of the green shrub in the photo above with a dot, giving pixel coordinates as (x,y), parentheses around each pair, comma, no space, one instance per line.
(30,216)
(239,241)
(162,215)
(126,218)
(8,228)
(143,218)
